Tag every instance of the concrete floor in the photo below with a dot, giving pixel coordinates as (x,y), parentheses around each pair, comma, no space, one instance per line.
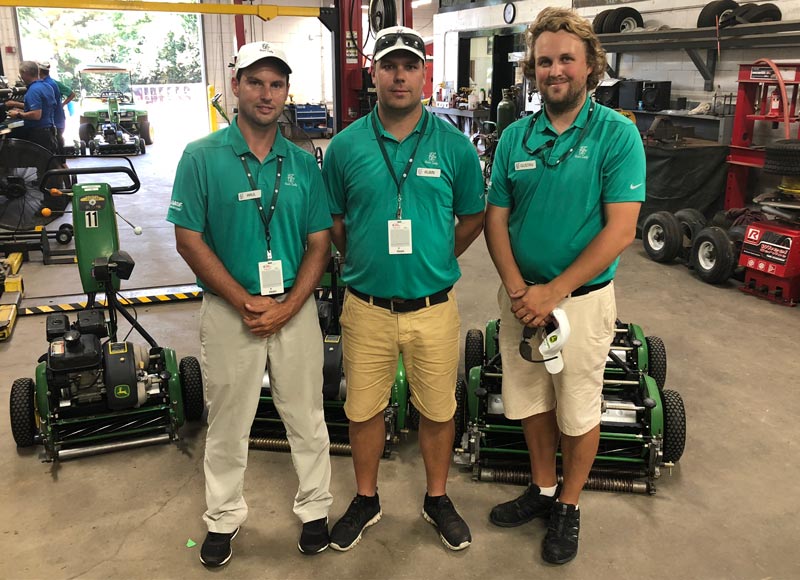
(728,510)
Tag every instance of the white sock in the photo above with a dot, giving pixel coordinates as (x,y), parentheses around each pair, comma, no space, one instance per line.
(548,491)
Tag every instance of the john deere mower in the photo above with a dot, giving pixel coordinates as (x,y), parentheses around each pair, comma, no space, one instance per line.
(642,427)
(268,431)
(94,392)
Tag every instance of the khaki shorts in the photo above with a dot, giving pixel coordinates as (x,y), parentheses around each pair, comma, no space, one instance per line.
(575,392)
(372,340)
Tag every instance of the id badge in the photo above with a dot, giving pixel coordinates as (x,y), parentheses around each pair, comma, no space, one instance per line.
(399,236)
(271,276)
(252,194)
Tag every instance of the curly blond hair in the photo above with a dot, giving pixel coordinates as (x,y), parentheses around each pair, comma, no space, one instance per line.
(555,19)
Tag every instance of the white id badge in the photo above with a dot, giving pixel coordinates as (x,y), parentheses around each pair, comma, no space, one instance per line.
(399,236)
(271,276)
(252,194)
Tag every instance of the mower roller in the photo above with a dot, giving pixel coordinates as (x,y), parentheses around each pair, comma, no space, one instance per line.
(642,427)
(92,392)
(269,433)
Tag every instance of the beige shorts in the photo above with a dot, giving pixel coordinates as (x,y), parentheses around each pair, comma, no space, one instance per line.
(372,340)
(575,392)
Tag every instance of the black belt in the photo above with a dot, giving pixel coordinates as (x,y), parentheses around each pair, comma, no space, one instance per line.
(400,304)
(583,290)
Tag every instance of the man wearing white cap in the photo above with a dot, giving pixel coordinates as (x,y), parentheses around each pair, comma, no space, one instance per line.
(252,222)
(407,198)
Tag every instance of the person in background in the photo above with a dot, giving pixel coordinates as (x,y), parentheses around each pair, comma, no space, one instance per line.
(36,109)
(63,95)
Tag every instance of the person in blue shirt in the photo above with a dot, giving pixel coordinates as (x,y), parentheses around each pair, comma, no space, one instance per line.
(63,95)
(36,109)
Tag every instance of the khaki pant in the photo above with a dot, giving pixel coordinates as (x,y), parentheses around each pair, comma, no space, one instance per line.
(372,340)
(233,362)
(575,392)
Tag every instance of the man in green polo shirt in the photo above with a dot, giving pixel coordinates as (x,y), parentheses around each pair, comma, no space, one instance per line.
(252,222)
(407,198)
(566,189)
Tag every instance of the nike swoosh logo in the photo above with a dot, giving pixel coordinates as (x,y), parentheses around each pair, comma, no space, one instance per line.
(636,186)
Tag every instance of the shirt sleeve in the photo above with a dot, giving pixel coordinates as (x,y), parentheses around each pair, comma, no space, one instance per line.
(36,100)
(319,216)
(500,185)
(332,176)
(188,205)
(469,192)
(625,170)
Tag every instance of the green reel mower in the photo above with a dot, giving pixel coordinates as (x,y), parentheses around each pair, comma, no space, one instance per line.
(642,427)
(92,392)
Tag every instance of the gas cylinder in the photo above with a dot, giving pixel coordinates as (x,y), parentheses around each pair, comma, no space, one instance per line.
(506,112)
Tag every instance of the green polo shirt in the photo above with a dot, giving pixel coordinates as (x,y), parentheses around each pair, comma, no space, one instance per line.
(557,208)
(205,198)
(445,181)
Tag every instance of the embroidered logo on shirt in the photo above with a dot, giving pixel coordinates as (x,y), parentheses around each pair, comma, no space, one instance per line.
(582,152)
(636,186)
(176,205)
(433,158)
(290,180)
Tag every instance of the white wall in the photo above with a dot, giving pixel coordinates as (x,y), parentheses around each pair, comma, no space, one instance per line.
(8,38)
(674,66)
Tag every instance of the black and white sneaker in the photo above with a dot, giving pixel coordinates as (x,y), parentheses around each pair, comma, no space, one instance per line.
(453,530)
(216,550)
(314,538)
(364,511)
(531,504)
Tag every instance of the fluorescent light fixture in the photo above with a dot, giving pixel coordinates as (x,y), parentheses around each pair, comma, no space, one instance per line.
(418,3)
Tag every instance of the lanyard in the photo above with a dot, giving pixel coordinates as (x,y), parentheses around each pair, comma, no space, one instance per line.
(402,179)
(548,144)
(266,218)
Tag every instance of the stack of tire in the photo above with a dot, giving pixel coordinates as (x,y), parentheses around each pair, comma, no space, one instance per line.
(711,250)
(623,19)
(731,13)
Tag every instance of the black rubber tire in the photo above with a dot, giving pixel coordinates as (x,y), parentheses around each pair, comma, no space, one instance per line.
(721,220)
(662,236)
(713,256)
(783,157)
(710,12)
(764,13)
(144,131)
(191,388)
(412,419)
(22,410)
(87,132)
(597,22)
(674,426)
(657,360)
(142,146)
(473,351)
(622,20)
(64,234)
(691,222)
(460,417)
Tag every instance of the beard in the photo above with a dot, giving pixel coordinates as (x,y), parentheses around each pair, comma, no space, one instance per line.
(568,102)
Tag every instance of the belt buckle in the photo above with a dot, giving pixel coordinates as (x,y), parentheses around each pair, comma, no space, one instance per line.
(391,304)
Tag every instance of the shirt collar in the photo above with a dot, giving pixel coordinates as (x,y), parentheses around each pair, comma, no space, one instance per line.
(236,140)
(543,123)
(384,133)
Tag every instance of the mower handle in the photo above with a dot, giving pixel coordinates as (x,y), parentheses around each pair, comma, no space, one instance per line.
(123,189)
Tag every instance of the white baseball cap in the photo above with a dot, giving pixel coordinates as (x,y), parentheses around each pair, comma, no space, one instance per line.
(398,38)
(252,52)
(44,65)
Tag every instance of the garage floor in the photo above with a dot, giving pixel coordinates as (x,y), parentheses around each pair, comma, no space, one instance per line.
(728,510)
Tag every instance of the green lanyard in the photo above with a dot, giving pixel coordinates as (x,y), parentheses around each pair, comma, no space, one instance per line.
(266,218)
(401,181)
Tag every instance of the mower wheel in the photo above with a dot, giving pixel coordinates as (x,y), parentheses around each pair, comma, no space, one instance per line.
(145,132)
(64,234)
(191,388)
(412,420)
(23,419)
(622,19)
(460,418)
(142,146)
(674,426)
(473,351)
(712,10)
(657,360)
(713,256)
(661,236)
(599,19)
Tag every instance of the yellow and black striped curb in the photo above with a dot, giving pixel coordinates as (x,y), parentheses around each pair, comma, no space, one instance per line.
(126,299)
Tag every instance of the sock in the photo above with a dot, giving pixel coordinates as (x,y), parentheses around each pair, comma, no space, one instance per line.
(548,491)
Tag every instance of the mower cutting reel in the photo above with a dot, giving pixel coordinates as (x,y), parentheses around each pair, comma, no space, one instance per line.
(92,392)
(642,427)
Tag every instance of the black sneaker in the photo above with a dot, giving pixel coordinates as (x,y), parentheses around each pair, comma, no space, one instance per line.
(216,549)
(314,538)
(560,545)
(364,511)
(531,504)
(453,530)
